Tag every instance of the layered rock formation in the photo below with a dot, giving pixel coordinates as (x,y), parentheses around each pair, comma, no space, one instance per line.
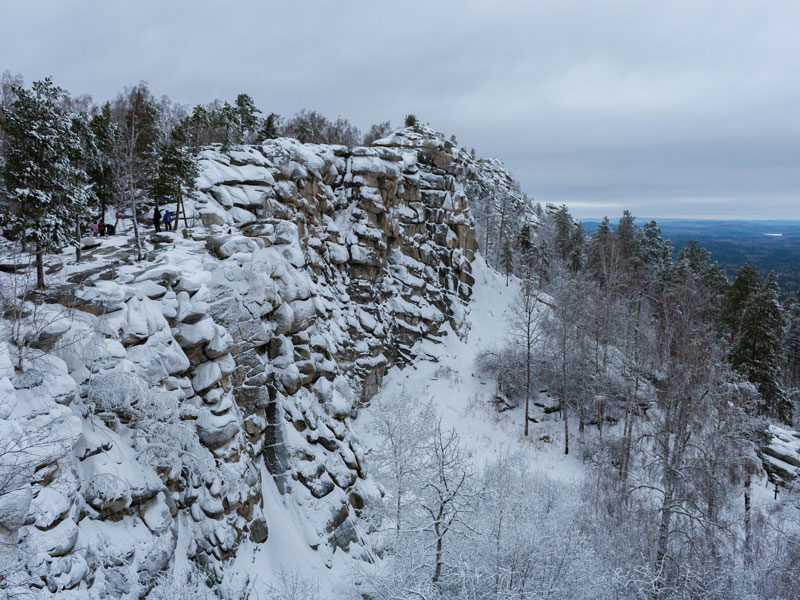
(239,351)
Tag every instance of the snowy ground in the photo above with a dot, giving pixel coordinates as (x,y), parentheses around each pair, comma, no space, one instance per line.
(463,399)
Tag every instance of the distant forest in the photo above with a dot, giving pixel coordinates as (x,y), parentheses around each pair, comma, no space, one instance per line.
(767,245)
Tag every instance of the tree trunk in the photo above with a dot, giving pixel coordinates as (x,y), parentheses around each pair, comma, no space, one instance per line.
(500,235)
(600,417)
(438,571)
(663,538)
(137,239)
(397,510)
(78,240)
(183,208)
(134,211)
(437,530)
(486,242)
(527,385)
(39,266)
(747,531)
(626,438)
(564,391)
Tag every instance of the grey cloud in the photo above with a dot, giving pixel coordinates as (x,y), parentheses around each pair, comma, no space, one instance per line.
(667,108)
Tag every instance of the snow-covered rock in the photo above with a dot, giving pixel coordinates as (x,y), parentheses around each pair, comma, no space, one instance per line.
(239,353)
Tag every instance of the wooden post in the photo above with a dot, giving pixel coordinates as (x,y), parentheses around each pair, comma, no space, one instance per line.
(181,208)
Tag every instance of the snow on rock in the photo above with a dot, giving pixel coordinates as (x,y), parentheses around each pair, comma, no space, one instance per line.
(242,352)
(782,455)
(49,506)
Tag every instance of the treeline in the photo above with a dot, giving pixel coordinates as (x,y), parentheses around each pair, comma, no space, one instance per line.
(68,161)
(671,375)
(685,369)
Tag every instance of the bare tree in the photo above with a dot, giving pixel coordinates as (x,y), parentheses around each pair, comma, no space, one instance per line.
(448,494)
(403,425)
(33,326)
(138,119)
(376,132)
(564,328)
(525,327)
(22,452)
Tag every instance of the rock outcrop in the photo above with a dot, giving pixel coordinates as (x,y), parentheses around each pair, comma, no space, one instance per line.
(242,350)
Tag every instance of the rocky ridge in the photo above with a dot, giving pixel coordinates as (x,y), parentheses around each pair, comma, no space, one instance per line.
(168,390)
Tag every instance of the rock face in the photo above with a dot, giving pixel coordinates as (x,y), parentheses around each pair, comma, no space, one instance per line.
(334,264)
(245,348)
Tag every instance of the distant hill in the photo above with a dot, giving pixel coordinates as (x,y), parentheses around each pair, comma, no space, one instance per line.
(770,245)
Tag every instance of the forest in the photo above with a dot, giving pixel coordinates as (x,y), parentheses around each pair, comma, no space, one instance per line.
(673,376)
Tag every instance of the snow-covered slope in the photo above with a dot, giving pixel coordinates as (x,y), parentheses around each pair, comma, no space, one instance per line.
(445,375)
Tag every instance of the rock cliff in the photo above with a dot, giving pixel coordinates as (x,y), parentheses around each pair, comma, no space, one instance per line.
(161,394)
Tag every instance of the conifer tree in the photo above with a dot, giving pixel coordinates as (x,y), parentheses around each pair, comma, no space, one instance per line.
(246,113)
(745,284)
(105,171)
(46,189)
(654,252)
(757,352)
(600,252)
(563,232)
(577,248)
(791,343)
(176,172)
(85,157)
(196,126)
(271,127)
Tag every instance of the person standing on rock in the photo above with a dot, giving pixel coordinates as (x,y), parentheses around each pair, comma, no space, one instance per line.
(167,221)
(157,219)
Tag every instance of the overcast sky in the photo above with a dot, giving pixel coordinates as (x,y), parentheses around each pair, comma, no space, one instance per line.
(667,108)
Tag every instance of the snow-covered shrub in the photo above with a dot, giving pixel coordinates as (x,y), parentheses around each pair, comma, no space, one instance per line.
(405,425)
(505,364)
(289,585)
(168,588)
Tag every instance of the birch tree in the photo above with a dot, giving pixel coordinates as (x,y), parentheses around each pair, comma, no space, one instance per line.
(525,327)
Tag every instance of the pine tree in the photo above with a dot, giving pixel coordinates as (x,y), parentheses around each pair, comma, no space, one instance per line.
(46,189)
(747,282)
(85,156)
(196,126)
(600,253)
(175,174)
(577,248)
(246,113)
(271,128)
(105,172)
(758,352)
(695,261)
(655,253)
(791,343)
(411,120)
(627,236)
(563,232)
